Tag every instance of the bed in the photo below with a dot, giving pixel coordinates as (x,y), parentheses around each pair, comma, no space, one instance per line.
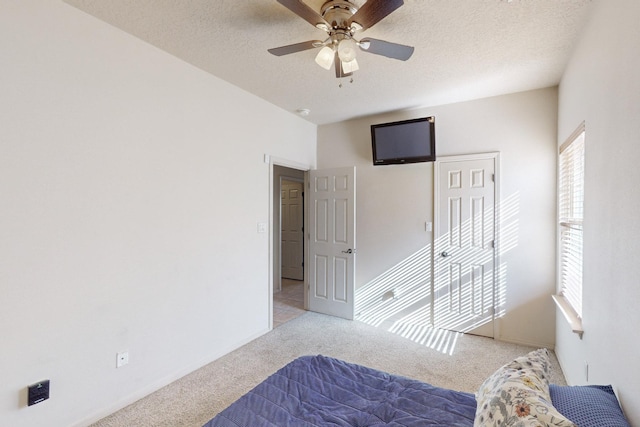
(323,391)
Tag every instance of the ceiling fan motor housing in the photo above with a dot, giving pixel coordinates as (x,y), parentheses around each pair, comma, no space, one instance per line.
(337,13)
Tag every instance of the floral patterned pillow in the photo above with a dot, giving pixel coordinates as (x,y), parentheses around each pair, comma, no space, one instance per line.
(518,395)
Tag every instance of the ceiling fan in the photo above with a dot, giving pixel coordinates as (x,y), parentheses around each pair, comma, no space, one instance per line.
(342,19)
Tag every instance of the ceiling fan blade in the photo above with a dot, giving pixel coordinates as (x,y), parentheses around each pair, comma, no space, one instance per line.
(293,48)
(374,11)
(304,11)
(339,71)
(388,49)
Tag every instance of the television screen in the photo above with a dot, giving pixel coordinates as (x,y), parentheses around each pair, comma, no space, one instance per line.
(408,141)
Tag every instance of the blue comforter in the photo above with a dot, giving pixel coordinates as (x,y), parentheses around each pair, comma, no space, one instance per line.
(322,391)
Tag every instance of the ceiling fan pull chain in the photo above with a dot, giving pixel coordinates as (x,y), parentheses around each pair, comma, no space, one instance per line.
(350,81)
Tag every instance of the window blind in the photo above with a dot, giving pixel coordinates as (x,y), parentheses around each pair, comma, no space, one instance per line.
(571,215)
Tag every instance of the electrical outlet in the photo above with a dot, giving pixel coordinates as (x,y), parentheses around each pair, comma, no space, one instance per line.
(122,359)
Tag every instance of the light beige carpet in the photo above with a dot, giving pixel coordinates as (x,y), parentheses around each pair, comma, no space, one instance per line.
(459,362)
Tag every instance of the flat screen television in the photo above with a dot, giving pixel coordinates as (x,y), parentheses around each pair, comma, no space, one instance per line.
(407,141)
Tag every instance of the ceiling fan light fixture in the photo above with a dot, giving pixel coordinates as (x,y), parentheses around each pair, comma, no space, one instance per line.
(355,27)
(347,50)
(350,67)
(325,57)
(364,45)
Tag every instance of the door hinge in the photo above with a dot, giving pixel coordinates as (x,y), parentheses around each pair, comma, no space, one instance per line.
(493,177)
(493,244)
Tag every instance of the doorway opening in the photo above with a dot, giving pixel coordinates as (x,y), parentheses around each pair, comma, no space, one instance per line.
(329,278)
(288,299)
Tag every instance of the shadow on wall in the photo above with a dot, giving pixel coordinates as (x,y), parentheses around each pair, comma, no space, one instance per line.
(434,310)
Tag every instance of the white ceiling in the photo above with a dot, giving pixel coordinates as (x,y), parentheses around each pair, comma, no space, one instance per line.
(464,49)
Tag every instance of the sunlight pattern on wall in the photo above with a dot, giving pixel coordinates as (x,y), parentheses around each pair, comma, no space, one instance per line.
(399,288)
(507,241)
(408,300)
(509,224)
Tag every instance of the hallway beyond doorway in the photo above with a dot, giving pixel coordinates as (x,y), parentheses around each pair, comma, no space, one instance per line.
(289,302)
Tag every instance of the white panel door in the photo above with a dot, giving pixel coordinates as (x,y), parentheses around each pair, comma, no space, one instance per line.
(292,234)
(464,245)
(332,237)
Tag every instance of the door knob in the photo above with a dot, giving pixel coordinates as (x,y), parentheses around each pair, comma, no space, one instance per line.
(445,254)
(349,251)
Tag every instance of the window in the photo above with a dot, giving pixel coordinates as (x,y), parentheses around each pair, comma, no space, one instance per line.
(570,216)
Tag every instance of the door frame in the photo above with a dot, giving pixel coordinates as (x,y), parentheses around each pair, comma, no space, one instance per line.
(274,187)
(495,156)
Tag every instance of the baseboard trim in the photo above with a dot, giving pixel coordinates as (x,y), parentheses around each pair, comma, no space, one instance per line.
(549,346)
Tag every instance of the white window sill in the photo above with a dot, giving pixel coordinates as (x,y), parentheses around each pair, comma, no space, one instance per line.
(569,314)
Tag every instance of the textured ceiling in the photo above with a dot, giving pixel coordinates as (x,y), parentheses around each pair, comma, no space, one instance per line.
(464,49)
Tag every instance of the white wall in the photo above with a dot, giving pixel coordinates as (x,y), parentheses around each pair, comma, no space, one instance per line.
(131,185)
(602,88)
(393,202)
